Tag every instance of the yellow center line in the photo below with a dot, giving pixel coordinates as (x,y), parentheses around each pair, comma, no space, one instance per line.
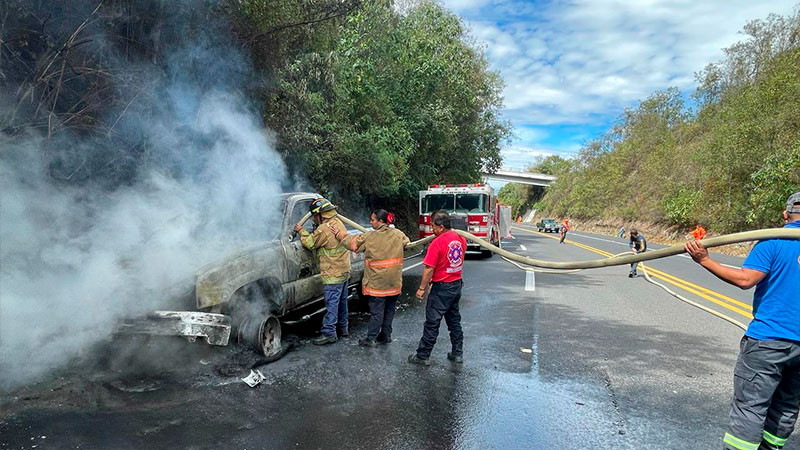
(702,289)
(671,279)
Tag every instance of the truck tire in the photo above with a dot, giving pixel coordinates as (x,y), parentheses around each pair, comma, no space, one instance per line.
(261,333)
(495,240)
(253,310)
(488,253)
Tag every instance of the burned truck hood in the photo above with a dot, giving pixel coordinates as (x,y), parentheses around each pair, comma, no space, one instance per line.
(216,282)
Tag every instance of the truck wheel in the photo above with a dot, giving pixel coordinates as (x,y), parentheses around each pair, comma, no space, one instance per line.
(269,336)
(263,335)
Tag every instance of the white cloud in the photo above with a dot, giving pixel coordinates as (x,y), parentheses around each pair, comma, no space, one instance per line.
(574,61)
(522,157)
(464,5)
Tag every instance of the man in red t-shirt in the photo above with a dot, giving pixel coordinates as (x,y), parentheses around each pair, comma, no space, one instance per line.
(443,265)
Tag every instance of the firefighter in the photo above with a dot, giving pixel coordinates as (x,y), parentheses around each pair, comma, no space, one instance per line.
(334,267)
(383,273)
(443,262)
(766,377)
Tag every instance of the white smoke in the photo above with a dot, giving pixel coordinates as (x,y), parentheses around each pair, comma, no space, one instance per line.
(76,259)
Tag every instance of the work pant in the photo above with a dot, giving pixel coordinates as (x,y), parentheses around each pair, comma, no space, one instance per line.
(442,302)
(766,394)
(381,315)
(336,308)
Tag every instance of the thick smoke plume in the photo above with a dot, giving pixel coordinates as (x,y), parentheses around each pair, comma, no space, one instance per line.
(79,255)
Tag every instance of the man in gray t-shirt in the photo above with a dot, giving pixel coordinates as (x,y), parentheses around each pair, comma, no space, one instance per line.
(638,245)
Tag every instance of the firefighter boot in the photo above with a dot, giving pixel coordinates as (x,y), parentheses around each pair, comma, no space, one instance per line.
(455,358)
(367,342)
(414,359)
(322,340)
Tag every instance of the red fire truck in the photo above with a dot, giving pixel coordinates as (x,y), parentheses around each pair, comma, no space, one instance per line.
(472,207)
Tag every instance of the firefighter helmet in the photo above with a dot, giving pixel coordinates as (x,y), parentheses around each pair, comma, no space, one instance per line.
(321,205)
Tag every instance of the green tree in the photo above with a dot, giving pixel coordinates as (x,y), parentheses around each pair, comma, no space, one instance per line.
(400,101)
(514,195)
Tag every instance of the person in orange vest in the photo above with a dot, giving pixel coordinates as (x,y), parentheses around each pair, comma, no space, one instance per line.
(699,232)
(383,273)
(564,229)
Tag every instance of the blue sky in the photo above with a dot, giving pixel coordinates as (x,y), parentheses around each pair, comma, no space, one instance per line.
(571,67)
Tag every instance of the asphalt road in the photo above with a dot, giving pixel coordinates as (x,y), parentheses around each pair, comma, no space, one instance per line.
(587,360)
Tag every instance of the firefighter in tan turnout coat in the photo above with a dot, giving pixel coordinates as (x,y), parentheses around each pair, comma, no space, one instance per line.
(334,267)
(383,273)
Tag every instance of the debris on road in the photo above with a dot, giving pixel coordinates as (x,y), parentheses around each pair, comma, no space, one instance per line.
(254,379)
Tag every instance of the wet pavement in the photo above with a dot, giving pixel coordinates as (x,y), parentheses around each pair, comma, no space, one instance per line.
(590,360)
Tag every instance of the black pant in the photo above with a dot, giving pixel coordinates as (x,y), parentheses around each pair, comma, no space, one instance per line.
(766,394)
(636,264)
(381,315)
(442,302)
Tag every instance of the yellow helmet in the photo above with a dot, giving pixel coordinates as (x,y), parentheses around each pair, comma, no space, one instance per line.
(321,205)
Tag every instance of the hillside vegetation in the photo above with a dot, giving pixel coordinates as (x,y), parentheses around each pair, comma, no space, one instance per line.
(729,161)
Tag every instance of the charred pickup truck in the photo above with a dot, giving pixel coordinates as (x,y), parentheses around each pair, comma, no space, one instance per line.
(251,292)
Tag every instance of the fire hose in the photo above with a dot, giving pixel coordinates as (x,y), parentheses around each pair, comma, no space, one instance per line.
(616,260)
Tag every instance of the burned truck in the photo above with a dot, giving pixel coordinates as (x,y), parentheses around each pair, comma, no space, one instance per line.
(247,295)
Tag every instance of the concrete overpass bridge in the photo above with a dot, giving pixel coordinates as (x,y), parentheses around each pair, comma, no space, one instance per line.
(520,176)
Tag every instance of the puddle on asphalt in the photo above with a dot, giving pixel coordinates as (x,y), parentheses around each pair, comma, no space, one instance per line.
(506,409)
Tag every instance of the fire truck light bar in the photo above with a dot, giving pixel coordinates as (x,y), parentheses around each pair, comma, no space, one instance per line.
(456,185)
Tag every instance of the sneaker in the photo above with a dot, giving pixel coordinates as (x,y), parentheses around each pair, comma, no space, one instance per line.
(631,275)
(455,358)
(365,342)
(322,340)
(383,339)
(413,359)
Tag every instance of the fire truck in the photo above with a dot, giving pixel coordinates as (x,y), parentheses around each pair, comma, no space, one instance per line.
(472,207)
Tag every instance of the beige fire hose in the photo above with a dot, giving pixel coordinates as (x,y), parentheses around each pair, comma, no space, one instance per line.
(616,260)
(358,227)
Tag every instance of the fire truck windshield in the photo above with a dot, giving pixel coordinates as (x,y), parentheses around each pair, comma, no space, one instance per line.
(472,203)
(435,202)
